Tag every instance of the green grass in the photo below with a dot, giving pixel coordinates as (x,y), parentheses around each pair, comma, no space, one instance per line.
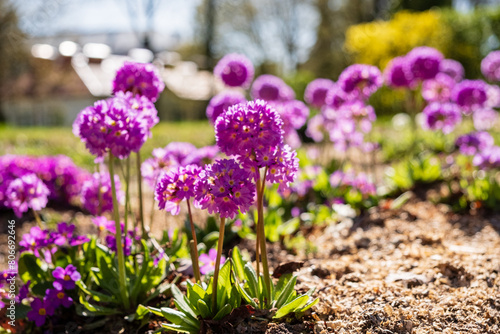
(60,140)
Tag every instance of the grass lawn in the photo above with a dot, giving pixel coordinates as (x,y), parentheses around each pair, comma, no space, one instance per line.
(61,140)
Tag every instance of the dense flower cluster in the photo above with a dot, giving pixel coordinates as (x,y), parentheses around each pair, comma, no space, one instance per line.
(294,115)
(175,186)
(60,175)
(452,68)
(470,95)
(316,91)
(490,66)
(173,155)
(96,193)
(474,142)
(221,102)
(271,88)
(359,81)
(397,73)
(438,89)
(26,192)
(484,119)
(488,158)
(441,116)
(424,62)
(225,188)
(140,79)
(119,125)
(235,70)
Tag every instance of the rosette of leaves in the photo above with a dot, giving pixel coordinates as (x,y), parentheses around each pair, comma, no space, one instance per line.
(284,298)
(197,303)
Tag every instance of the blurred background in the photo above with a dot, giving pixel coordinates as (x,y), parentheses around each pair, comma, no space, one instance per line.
(59,56)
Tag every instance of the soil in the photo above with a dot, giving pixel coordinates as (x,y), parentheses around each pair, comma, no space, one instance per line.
(418,269)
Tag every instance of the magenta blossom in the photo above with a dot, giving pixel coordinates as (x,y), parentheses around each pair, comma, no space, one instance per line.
(474,142)
(452,68)
(438,89)
(360,81)
(65,278)
(57,298)
(470,95)
(26,192)
(424,62)
(316,91)
(271,88)
(441,116)
(175,186)
(398,73)
(490,66)
(207,261)
(141,79)
(40,309)
(235,70)
(225,188)
(489,158)
(484,119)
(221,102)
(96,193)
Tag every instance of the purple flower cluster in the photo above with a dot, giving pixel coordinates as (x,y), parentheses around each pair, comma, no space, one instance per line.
(110,239)
(441,116)
(140,79)
(484,119)
(26,192)
(119,125)
(359,81)
(294,115)
(175,186)
(397,73)
(349,179)
(470,95)
(487,158)
(271,88)
(235,70)
(60,175)
(96,194)
(490,66)
(474,142)
(306,179)
(424,62)
(221,102)
(452,68)
(224,187)
(174,155)
(65,279)
(316,91)
(438,89)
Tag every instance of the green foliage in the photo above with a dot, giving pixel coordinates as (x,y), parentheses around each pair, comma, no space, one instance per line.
(284,298)
(422,169)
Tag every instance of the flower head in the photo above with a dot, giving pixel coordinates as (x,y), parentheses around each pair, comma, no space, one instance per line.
(474,142)
(57,298)
(97,196)
(65,277)
(175,186)
(488,158)
(424,62)
(470,95)
(26,192)
(271,88)
(202,156)
(441,116)
(34,240)
(484,119)
(245,128)
(335,97)
(315,128)
(207,261)
(235,70)
(360,80)
(490,66)
(438,89)
(103,224)
(141,79)
(398,73)
(40,309)
(316,91)
(221,102)
(225,188)
(452,68)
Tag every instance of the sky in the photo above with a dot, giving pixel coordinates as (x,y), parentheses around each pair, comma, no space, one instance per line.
(53,17)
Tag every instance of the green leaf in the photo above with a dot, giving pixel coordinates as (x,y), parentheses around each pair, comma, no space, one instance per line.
(95,295)
(224,285)
(30,269)
(179,318)
(223,312)
(284,279)
(40,288)
(292,306)
(96,309)
(251,277)
(286,293)
(203,309)
(308,306)
(239,264)
(180,328)
(155,310)
(182,303)
(141,312)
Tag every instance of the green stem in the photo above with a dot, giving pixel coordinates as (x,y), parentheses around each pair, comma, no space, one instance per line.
(139,188)
(222,227)
(260,226)
(194,247)
(118,237)
(37,218)
(127,195)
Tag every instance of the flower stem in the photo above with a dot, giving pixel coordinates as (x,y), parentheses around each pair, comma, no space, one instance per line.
(260,226)
(217,264)
(194,247)
(127,196)
(139,188)
(118,237)
(37,218)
